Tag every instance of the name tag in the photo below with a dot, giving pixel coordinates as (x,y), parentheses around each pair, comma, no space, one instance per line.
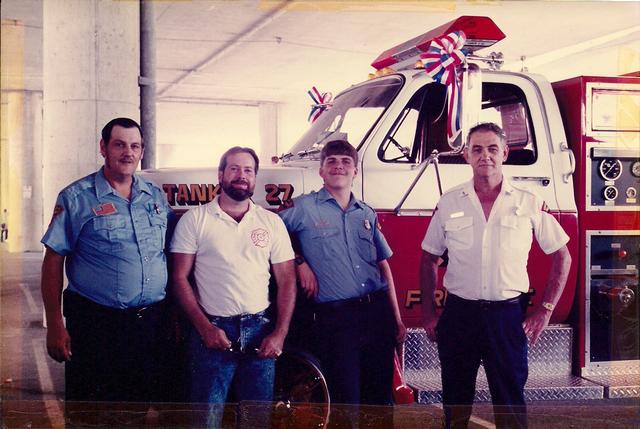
(104,209)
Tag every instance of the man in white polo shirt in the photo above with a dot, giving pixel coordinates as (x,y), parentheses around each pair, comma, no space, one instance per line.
(231,243)
(487,226)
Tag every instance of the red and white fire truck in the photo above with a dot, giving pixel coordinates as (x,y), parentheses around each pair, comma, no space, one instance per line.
(576,143)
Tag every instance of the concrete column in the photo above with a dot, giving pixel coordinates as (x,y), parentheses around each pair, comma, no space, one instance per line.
(268,126)
(90,75)
(20,146)
(148,81)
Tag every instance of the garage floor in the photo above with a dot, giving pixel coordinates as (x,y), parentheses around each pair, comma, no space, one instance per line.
(32,384)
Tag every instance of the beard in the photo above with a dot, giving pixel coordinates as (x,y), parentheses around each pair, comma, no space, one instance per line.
(237,194)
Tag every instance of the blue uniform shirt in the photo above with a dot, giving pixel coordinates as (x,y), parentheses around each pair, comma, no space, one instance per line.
(343,247)
(114,248)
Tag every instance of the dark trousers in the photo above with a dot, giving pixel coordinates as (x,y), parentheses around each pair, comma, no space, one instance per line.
(356,349)
(473,331)
(114,352)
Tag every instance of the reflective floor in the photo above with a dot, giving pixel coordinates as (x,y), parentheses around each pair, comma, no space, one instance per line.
(32,386)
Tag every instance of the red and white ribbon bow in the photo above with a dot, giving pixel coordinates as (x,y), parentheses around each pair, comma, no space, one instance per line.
(322,103)
(441,62)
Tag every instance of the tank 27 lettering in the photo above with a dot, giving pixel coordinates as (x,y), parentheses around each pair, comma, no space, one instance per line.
(194,194)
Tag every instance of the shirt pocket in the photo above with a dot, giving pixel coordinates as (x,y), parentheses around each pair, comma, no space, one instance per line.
(366,246)
(459,233)
(111,232)
(515,233)
(158,224)
(324,241)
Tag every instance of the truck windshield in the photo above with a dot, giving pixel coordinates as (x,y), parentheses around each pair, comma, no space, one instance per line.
(353,114)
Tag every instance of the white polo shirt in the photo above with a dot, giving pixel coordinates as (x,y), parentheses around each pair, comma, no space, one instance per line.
(488,258)
(232,259)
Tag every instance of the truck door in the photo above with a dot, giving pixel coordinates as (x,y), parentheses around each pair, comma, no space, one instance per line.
(418,127)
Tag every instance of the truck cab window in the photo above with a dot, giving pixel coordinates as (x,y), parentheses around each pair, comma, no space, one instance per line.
(506,105)
(352,116)
(421,123)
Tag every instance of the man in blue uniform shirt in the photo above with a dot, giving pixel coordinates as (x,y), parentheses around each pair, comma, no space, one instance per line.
(109,230)
(342,265)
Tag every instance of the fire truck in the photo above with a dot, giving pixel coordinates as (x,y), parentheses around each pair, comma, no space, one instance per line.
(576,143)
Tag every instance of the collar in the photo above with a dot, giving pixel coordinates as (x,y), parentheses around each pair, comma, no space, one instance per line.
(507,187)
(214,208)
(104,188)
(323,196)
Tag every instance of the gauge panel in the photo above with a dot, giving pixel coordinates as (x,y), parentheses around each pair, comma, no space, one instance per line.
(610,168)
(613,179)
(610,193)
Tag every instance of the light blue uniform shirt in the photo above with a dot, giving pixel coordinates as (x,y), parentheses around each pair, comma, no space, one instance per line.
(114,248)
(342,247)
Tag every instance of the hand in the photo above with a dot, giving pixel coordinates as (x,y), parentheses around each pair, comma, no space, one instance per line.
(215,338)
(58,343)
(308,280)
(535,324)
(271,346)
(429,323)
(401,332)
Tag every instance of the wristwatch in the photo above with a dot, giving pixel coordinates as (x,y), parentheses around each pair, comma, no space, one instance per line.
(299,260)
(548,306)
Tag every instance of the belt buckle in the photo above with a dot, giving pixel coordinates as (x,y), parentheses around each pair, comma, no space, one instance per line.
(141,310)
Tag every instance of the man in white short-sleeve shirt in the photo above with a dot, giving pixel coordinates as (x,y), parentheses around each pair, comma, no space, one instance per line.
(231,244)
(487,226)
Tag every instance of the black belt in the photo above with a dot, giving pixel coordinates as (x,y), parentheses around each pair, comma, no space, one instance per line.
(73,299)
(483,303)
(354,302)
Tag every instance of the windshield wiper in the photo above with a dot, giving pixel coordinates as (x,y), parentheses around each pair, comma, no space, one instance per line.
(307,152)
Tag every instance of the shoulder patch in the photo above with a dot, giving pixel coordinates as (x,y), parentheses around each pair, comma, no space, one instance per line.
(545,207)
(56,212)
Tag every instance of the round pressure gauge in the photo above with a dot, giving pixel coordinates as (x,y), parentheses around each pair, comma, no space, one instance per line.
(631,192)
(635,168)
(610,193)
(610,168)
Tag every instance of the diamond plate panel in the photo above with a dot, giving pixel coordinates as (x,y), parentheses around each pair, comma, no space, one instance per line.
(551,355)
(610,369)
(420,352)
(562,387)
(623,392)
(549,369)
(618,386)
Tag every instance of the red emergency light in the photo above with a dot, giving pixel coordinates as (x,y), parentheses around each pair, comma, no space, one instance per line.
(480,31)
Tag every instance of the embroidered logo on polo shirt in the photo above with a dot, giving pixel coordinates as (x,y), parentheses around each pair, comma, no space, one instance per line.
(260,237)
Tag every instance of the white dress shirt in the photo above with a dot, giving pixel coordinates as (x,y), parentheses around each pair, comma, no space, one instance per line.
(488,257)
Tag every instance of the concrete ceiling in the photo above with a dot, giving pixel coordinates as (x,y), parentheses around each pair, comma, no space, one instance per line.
(276,50)
(271,50)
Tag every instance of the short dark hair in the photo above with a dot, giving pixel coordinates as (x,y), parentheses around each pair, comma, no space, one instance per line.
(234,150)
(338,147)
(124,123)
(491,127)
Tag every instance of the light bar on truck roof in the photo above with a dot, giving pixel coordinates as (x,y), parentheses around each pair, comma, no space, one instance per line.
(480,31)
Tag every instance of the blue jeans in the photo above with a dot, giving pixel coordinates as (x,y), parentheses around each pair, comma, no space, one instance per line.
(215,372)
